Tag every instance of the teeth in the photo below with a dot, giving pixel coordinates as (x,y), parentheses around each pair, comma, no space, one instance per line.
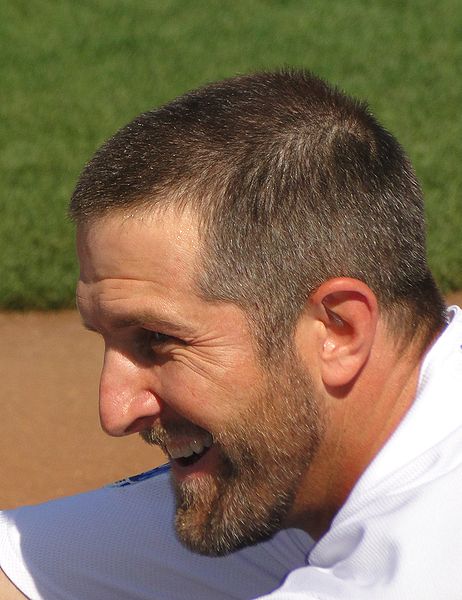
(180,452)
(186,449)
(197,446)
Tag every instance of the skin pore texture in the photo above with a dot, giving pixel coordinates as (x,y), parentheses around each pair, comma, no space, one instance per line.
(253,448)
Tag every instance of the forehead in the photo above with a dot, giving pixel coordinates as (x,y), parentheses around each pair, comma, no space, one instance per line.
(144,270)
(139,247)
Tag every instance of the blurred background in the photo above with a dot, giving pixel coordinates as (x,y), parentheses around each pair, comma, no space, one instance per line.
(72,73)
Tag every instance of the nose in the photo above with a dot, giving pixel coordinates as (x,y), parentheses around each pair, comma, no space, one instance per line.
(128,402)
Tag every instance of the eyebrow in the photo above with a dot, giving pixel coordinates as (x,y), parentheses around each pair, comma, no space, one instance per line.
(143,319)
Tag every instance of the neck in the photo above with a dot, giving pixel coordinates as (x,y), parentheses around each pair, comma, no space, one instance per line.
(358,423)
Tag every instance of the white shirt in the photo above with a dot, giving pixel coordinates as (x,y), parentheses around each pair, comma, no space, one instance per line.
(398,536)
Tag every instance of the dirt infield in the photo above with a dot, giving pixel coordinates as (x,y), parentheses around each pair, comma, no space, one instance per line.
(50,440)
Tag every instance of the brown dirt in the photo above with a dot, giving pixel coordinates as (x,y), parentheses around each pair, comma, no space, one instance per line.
(50,440)
(455,298)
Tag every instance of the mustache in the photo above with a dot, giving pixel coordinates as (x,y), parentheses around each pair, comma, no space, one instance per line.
(161,434)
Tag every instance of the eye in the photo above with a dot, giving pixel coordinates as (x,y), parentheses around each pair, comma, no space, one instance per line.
(156,338)
(151,342)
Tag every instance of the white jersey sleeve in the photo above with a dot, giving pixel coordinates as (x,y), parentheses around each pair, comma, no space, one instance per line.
(118,543)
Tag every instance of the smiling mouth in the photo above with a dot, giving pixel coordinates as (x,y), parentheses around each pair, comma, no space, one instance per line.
(186,452)
(190,460)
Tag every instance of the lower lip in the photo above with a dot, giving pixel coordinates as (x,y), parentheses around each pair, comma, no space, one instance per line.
(206,465)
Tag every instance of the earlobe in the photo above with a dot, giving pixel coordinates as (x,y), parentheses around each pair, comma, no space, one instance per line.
(348,311)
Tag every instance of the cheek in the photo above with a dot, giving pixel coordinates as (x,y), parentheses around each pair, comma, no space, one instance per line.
(207,395)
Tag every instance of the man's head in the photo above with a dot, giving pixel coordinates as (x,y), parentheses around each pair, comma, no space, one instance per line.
(293,183)
(208,229)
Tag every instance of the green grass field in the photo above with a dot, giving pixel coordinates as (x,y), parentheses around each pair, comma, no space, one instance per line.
(73,72)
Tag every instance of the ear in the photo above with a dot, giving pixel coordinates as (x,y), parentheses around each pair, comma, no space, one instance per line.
(346,313)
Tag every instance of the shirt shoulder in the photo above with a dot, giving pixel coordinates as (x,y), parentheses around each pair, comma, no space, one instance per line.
(119,542)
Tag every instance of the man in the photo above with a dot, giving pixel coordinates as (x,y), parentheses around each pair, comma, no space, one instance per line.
(253,255)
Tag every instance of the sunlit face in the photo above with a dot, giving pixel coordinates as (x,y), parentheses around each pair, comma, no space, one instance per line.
(183,373)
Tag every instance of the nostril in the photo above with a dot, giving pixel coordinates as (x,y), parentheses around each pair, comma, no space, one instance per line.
(140,424)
